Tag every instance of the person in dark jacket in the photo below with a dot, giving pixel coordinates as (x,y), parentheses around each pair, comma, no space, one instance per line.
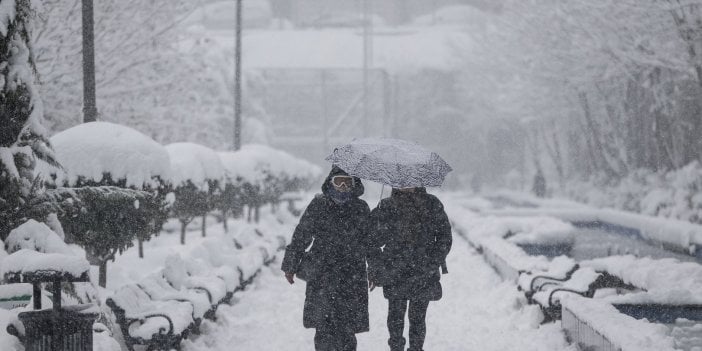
(336,299)
(415,235)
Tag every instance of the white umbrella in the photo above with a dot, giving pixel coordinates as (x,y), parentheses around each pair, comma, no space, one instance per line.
(394,162)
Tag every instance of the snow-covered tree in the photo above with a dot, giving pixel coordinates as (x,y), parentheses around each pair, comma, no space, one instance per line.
(198,176)
(23,140)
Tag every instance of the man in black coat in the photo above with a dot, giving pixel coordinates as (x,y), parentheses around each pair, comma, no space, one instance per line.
(335,223)
(414,232)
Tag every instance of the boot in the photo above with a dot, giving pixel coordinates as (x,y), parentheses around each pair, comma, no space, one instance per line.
(397,344)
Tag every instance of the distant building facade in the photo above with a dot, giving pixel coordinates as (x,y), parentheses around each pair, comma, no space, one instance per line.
(346,13)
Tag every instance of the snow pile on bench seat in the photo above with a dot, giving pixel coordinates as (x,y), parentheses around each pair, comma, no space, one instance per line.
(580,282)
(626,332)
(666,281)
(557,268)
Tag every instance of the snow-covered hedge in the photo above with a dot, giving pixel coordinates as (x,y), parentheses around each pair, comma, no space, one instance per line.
(93,152)
(106,154)
(198,177)
(259,174)
(675,194)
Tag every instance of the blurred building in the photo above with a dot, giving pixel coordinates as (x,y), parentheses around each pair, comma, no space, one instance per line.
(346,13)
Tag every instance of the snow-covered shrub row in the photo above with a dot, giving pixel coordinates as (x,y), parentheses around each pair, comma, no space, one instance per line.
(198,176)
(259,174)
(675,194)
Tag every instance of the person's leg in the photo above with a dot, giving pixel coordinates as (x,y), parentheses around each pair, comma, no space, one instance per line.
(417,324)
(347,341)
(396,324)
(324,340)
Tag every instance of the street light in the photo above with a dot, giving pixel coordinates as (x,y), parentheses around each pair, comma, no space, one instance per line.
(237,79)
(89,103)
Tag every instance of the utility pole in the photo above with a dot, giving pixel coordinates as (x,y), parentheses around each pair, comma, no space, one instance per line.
(89,100)
(237,79)
(367,60)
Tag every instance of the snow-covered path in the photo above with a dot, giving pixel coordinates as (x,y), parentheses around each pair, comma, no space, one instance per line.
(478,312)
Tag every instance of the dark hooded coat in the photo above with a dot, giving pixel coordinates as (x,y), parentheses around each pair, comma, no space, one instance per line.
(415,235)
(337,295)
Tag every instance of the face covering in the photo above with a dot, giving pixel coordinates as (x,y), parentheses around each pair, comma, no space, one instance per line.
(339,197)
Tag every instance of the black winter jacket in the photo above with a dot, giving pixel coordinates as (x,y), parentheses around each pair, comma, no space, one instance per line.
(415,235)
(338,294)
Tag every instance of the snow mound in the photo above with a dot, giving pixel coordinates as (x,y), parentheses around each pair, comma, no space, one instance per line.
(36,236)
(254,162)
(25,261)
(666,281)
(92,149)
(196,163)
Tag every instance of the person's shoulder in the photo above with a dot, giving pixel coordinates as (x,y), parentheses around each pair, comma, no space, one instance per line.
(434,201)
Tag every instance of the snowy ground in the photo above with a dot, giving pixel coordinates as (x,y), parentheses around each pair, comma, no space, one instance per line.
(478,312)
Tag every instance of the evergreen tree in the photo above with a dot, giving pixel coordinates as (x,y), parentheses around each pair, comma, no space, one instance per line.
(22,138)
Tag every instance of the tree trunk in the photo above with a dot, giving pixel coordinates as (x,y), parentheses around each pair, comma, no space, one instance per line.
(204,225)
(102,274)
(141,248)
(256,214)
(224,220)
(183,225)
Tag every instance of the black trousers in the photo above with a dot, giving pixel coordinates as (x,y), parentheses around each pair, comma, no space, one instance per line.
(417,324)
(334,339)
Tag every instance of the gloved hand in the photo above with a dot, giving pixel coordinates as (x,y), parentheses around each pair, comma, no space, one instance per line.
(289,277)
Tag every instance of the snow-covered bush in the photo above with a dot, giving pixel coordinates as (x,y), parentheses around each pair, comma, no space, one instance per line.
(198,176)
(263,174)
(105,154)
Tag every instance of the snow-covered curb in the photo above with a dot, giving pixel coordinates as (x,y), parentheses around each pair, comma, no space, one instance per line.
(625,333)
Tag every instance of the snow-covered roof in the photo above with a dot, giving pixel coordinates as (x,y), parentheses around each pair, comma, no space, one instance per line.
(196,163)
(252,160)
(91,149)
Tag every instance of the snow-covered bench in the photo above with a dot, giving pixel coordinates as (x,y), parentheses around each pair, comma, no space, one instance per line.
(183,276)
(584,282)
(158,288)
(160,325)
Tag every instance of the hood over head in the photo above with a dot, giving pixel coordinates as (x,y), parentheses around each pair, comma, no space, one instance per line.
(357,189)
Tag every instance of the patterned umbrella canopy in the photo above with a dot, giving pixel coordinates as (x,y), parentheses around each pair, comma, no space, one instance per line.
(394,162)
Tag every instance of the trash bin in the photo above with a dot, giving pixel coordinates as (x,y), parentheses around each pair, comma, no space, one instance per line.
(58,330)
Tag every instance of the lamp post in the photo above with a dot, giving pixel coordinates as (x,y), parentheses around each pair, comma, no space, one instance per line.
(237,79)
(367,60)
(89,100)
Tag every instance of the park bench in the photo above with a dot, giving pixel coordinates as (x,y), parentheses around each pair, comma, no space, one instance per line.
(584,282)
(531,282)
(159,325)
(177,274)
(158,288)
